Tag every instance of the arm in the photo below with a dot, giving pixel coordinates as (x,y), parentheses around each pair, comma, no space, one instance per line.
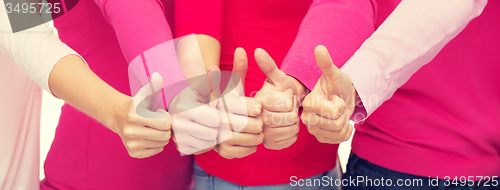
(48,61)
(203,18)
(142,30)
(409,38)
(341,26)
(35,50)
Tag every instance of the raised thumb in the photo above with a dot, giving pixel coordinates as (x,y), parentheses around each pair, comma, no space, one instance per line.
(147,94)
(267,65)
(325,63)
(240,64)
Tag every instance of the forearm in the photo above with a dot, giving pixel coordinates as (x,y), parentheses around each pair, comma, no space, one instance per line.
(409,38)
(210,50)
(74,82)
(330,23)
(203,18)
(301,89)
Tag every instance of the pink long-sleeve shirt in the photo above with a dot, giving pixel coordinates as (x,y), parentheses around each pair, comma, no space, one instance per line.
(445,121)
(85,154)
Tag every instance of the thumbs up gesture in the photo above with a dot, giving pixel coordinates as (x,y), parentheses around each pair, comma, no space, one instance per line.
(195,123)
(280,105)
(329,106)
(241,129)
(144,131)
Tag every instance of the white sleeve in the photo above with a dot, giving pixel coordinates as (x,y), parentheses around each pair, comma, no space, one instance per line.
(35,51)
(408,39)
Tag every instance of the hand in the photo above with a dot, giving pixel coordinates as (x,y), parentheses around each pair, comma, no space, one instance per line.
(241,128)
(329,106)
(195,123)
(278,98)
(144,133)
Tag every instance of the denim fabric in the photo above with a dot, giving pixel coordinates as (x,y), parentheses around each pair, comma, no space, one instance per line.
(205,181)
(358,167)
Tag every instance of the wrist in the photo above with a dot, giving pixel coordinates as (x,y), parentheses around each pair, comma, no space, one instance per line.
(121,108)
(302,91)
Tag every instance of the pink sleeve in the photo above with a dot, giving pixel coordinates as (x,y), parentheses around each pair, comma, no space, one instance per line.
(199,17)
(340,25)
(146,40)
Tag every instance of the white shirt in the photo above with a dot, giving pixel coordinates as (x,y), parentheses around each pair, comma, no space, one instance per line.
(409,38)
(34,53)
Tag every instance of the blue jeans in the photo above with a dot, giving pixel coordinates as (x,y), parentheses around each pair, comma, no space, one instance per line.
(205,181)
(358,168)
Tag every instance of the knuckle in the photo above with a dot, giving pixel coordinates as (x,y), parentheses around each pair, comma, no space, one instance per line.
(131,145)
(325,140)
(295,129)
(269,145)
(213,134)
(267,132)
(259,125)
(225,153)
(133,154)
(295,117)
(130,132)
(133,118)
(260,138)
(168,123)
(167,136)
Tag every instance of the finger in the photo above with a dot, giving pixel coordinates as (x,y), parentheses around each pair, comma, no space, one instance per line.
(243,106)
(244,124)
(159,123)
(141,144)
(325,62)
(278,145)
(240,65)
(146,133)
(204,115)
(195,129)
(205,86)
(275,101)
(146,152)
(147,93)
(203,151)
(187,149)
(280,133)
(246,139)
(185,139)
(230,152)
(268,66)
(314,120)
(318,104)
(276,119)
(335,137)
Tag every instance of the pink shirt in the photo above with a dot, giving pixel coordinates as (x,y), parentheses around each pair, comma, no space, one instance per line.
(445,120)
(273,26)
(85,154)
